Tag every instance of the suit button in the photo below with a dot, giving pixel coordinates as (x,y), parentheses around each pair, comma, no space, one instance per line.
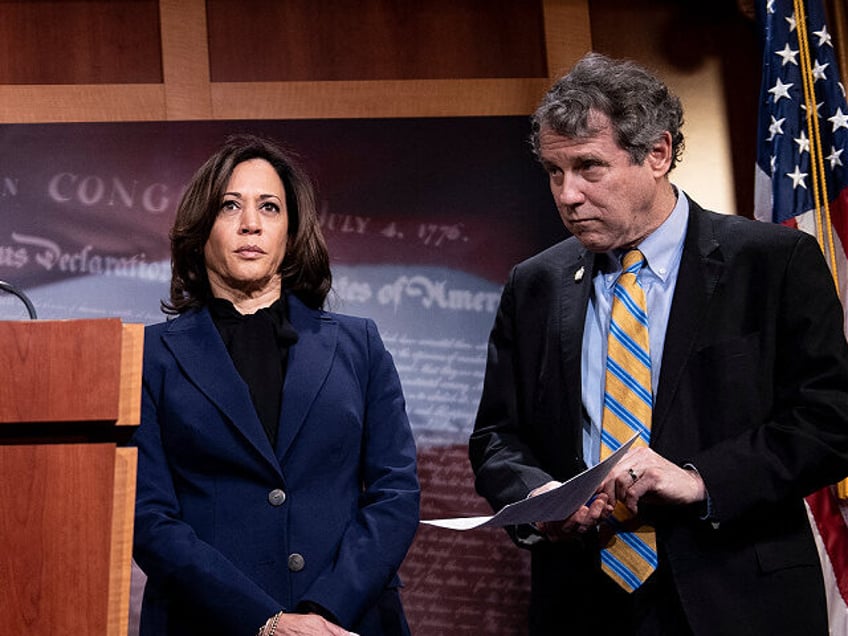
(276,497)
(296,562)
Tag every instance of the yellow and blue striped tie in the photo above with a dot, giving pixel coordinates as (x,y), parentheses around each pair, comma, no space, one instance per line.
(631,554)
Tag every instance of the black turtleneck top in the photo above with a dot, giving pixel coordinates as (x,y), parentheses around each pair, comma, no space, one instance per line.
(258,344)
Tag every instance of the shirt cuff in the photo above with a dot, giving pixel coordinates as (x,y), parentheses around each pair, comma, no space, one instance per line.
(706,510)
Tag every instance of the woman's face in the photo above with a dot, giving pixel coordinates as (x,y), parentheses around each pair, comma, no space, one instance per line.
(248,240)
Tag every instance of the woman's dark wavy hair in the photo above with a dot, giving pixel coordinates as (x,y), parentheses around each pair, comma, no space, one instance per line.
(306,266)
(639,106)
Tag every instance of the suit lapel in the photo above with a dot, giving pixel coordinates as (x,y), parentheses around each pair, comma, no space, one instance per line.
(575,286)
(701,267)
(309,364)
(196,345)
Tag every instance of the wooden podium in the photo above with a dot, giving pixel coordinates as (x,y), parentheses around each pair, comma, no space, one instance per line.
(70,394)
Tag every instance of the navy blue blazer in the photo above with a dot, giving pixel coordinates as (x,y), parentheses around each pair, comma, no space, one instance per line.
(230,530)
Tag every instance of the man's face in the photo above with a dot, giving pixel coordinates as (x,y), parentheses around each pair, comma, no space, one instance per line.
(603,198)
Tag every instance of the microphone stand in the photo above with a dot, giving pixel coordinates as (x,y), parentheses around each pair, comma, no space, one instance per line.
(8,287)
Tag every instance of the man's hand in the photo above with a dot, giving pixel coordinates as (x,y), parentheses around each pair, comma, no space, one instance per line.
(642,474)
(586,518)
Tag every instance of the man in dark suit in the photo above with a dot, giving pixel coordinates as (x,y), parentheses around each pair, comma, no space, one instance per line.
(748,395)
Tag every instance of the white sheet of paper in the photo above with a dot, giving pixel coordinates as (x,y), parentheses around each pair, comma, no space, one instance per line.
(554,505)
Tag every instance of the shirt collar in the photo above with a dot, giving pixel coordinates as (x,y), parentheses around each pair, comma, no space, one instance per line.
(663,246)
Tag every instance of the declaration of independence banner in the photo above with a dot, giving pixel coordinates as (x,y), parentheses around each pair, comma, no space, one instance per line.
(423,217)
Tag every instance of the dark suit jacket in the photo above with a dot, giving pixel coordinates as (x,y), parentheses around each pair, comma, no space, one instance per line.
(753,392)
(230,530)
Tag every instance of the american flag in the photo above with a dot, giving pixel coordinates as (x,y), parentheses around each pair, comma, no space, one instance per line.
(801,179)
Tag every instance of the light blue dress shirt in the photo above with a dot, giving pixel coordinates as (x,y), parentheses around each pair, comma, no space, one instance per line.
(662,250)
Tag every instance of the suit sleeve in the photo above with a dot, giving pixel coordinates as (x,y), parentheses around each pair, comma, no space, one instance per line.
(381,531)
(505,466)
(802,443)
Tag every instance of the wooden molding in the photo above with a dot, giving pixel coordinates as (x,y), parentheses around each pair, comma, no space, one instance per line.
(123,517)
(185,59)
(25,104)
(568,33)
(132,353)
(389,98)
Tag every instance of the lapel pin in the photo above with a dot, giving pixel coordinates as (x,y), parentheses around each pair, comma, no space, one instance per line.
(578,275)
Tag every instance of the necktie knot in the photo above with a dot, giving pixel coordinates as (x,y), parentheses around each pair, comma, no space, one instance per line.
(632,261)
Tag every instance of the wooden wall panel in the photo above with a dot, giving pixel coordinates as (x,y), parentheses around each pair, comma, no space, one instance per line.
(148,60)
(303,40)
(80,42)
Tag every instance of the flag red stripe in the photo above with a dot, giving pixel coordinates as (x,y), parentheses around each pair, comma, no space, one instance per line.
(834,534)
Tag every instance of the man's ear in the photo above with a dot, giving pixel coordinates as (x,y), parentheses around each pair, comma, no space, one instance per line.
(659,156)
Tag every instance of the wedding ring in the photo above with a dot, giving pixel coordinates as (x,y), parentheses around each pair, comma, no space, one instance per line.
(632,474)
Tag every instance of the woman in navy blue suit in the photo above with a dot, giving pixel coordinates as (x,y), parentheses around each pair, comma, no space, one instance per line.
(277,489)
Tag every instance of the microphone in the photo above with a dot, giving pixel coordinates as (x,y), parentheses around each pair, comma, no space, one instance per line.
(8,287)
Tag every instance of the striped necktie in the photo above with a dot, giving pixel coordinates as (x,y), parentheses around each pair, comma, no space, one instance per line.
(631,554)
